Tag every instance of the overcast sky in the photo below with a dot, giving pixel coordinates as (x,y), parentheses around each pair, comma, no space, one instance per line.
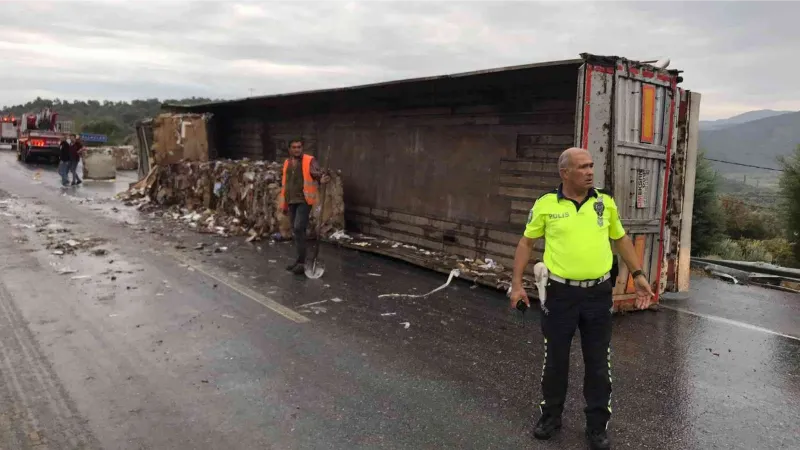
(737,54)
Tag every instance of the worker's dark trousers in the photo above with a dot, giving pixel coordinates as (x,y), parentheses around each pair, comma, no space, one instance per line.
(588,310)
(299,213)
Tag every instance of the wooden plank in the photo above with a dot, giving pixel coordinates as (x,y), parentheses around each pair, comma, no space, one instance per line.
(530,166)
(518,192)
(521,206)
(519,219)
(533,183)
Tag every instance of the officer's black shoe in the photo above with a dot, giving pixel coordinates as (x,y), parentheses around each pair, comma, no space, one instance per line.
(299,269)
(546,427)
(598,439)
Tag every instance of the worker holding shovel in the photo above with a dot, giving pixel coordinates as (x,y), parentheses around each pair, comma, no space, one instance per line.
(299,193)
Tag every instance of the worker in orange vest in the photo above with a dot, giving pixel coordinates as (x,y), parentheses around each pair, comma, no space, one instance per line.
(299,193)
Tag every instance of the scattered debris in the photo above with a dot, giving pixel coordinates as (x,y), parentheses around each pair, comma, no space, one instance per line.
(66,271)
(227,316)
(374,274)
(81,277)
(58,252)
(388,314)
(724,276)
(405,324)
(489,265)
(317,309)
(229,197)
(453,274)
(312,304)
(336,300)
(339,235)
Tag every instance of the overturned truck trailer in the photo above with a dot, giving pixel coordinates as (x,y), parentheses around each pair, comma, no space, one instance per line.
(454,163)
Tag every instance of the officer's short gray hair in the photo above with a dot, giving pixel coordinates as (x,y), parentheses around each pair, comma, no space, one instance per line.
(563,160)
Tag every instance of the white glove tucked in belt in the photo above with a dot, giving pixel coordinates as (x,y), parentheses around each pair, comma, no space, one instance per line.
(540,274)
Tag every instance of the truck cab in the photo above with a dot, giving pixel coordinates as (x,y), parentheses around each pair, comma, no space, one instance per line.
(8,132)
(39,137)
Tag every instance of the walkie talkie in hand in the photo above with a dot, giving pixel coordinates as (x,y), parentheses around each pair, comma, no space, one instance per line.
(522,307)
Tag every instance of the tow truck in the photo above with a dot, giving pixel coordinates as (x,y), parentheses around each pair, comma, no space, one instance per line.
(39,136)
(8,132)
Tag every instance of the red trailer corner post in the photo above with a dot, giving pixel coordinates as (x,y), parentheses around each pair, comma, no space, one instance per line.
(627,119)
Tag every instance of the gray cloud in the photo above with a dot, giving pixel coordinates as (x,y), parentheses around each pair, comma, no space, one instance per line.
(737,54)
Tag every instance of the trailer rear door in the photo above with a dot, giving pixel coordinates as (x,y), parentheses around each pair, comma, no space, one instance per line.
(627,118)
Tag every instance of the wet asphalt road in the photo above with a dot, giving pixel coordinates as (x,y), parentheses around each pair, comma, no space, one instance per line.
(165,346)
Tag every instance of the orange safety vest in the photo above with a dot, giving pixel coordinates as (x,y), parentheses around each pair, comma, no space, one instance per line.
(309,185)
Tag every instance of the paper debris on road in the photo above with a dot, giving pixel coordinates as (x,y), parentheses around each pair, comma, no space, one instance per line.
(405,324)
(339,235)
(312,304)
(388,314)
(453,274)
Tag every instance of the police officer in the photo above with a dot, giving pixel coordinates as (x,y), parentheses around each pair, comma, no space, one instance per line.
(578,222)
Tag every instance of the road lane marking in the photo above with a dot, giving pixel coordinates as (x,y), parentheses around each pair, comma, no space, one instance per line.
(735,323)
(288,313)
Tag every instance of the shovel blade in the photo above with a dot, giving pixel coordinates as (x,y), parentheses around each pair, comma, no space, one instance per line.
(315,270)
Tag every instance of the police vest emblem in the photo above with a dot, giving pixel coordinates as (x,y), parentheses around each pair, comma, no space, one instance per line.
(599,208)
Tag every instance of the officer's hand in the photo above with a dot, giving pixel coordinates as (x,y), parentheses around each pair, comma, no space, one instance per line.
(517,294)
(325,179)
(644,293)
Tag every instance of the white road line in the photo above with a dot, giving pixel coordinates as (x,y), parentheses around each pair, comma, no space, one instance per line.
(735,323)
(288,313)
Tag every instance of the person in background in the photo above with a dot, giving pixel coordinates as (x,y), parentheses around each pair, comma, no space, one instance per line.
(64,160)
(75,153)
(299,193)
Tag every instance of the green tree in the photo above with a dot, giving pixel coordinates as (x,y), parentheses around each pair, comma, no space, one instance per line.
(708,221)
(106,126)
(790,193)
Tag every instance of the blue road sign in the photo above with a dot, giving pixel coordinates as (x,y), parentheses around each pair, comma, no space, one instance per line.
(89,137)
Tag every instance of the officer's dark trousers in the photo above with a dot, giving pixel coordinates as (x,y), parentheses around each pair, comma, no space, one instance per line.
(588,310)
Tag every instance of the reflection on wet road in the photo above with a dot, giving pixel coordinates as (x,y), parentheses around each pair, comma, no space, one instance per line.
(155,354)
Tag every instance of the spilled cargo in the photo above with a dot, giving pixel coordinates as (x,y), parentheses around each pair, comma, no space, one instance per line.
(232,198)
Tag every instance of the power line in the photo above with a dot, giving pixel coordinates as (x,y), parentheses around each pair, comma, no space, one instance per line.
(744,165)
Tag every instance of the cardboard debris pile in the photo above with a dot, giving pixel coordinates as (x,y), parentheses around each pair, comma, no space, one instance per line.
(126,157)
(483,271)
(232,198)
(98,164)
(180,137)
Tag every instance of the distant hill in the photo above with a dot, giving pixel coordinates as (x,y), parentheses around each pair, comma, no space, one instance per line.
(757,142)
(740,119)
